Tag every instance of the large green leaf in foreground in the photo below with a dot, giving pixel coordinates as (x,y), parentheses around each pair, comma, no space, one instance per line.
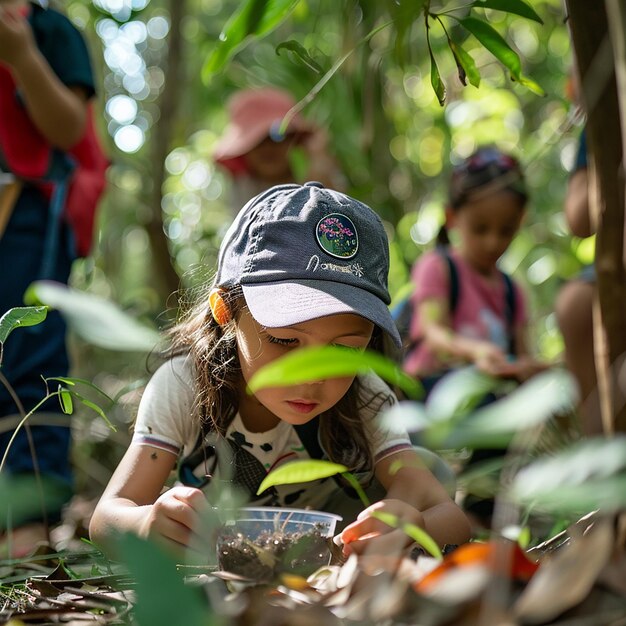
(96,320)
(310,364)
(162,598)
(590,475)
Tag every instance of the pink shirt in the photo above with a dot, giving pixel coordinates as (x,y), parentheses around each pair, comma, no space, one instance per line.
(480,310)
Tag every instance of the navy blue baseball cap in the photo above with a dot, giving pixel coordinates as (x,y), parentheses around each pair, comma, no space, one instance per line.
(301,252)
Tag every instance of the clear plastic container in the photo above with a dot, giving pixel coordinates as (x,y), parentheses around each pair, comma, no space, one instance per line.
(260,543)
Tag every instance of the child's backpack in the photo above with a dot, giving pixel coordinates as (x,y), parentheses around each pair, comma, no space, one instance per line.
(74,180)
(402,312)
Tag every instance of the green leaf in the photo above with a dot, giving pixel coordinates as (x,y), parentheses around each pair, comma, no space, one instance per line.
(327,76)
(415,532)
(404,14)
(94,407)
(73,381)
(587,476)
(301,53)
(21,316)
(153,572)
(435,79)
(494,42)
(465,64)
(254,17)
(24,496)
(529,83)
(517,7)
(459,392)
(303,471)
(317,363)
(96,320)
(531,404)
(65,398)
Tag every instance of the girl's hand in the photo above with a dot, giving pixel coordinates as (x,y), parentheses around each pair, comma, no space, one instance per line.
(16,36)
(490,359)
(175,517)
(525,367)
(371,535)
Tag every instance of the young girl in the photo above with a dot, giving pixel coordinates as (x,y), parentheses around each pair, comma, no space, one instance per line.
(465,310)
(300,266)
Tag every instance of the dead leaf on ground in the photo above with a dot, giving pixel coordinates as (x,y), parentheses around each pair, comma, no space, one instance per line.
(566,578)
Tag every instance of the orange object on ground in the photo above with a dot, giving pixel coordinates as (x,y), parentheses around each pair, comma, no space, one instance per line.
(501,557)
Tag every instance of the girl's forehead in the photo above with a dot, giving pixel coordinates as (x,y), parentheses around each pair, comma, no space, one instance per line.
(331,327)
(497,207)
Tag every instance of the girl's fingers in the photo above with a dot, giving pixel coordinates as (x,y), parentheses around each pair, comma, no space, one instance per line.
(194,498)
(367,526)
(391,543)
(181,506)
(174,532)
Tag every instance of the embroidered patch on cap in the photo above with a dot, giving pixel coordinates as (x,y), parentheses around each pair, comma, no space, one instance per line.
(337,236)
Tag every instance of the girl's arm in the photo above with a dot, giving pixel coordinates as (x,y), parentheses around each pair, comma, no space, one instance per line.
(414,495)
(59,112)
(132,502)
(450,346)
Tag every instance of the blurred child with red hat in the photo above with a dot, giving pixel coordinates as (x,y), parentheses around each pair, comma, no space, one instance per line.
(258,153)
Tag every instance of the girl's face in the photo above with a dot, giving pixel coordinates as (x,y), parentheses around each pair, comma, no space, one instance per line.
(269,160)
(297,404)
(486,227)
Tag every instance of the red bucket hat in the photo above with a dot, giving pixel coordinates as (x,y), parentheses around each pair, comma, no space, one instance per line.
(254,115)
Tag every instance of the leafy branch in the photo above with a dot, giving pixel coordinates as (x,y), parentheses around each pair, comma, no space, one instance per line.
(257,18)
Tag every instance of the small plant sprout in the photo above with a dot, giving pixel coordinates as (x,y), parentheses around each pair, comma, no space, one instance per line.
(66,396)
(308,470)
(18,317)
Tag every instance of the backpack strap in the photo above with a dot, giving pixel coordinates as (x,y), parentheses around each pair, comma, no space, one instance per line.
(309,436)
(403,312)
(453,277)
(510,302)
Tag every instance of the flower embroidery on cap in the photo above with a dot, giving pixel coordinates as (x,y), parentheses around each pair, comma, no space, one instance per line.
(337,236)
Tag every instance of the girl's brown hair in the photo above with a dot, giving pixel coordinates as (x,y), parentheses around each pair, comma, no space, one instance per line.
(218,383)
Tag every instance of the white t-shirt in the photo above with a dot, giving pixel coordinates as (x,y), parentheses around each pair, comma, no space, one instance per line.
(166,421)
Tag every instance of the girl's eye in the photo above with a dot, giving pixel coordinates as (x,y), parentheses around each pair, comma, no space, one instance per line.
(280,341)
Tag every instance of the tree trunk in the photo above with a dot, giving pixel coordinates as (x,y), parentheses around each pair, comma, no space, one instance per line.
(595,60)
(164,271)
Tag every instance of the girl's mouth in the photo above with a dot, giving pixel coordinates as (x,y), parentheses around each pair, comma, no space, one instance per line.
(300,406)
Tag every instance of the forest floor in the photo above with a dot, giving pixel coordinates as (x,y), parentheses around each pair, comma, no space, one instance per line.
(576,578)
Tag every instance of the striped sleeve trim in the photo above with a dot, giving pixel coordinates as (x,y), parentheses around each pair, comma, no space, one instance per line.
(154,442)
(383,454)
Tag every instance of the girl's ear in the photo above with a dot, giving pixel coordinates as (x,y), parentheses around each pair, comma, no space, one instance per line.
(219,308)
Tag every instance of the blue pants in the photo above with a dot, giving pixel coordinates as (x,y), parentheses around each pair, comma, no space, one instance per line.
(33,352)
